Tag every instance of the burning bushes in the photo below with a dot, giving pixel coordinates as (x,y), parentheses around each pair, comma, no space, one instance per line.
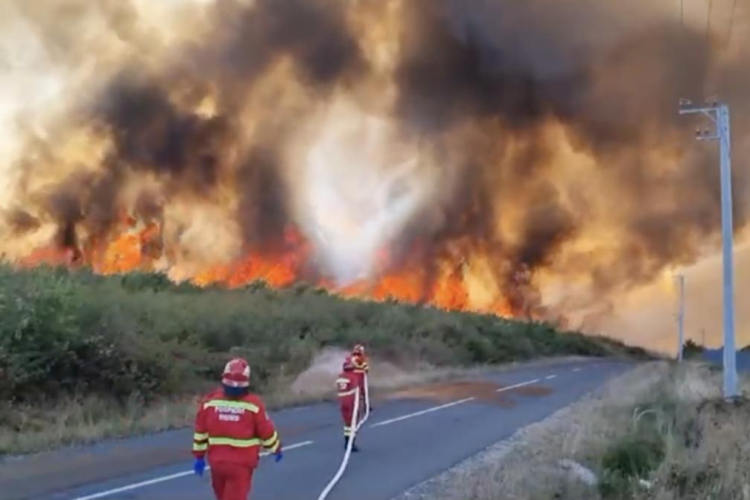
(71,335)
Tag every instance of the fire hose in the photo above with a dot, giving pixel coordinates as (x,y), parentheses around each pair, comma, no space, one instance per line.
(354,426)
(367,403)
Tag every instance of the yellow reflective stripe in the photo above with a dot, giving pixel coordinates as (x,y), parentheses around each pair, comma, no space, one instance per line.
(222,403)
(200,436)
(200,447)
(270,441)
(347,393)
(237,443)
(275,447)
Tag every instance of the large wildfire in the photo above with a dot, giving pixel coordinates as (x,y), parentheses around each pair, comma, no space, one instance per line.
(524,158)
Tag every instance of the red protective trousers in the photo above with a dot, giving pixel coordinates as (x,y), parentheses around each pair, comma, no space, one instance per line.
(347,412)
(231,481)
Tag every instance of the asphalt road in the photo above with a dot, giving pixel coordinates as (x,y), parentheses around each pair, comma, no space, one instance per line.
(410,437)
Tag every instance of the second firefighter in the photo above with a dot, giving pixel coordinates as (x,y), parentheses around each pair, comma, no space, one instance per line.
(348,386)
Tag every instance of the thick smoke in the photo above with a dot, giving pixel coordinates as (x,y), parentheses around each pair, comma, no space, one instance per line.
(545,134)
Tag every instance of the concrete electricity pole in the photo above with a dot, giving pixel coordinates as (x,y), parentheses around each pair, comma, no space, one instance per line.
(681,318)
(719,114)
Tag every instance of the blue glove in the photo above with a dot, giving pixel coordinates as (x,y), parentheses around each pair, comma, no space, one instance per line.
(199,466)
(279,455)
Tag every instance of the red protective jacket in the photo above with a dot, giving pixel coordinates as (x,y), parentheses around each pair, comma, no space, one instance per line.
(233,430)
(348,384)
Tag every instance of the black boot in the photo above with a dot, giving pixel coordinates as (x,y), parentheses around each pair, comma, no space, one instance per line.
(354,445)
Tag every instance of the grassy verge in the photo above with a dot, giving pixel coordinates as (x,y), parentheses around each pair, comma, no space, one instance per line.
(85,356)
(658,432)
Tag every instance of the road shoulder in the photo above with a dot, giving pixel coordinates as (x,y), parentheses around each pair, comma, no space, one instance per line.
(505,466)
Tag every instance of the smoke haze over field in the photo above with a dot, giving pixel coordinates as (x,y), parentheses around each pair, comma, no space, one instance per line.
(523,158)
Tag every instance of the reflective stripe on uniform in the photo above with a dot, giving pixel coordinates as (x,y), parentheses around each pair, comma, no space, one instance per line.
(272,442)
(223,403)
(237,443)
(347,393)
(200,436)
(200,447)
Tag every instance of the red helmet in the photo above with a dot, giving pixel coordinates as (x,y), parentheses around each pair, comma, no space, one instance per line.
(236,373)
(358,349)
(348,364)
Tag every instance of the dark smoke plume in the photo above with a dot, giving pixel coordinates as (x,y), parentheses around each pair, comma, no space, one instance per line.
(486,82)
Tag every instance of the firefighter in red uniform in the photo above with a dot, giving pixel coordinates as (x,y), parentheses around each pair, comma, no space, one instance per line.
(348,385)
(231,426)
(361,368)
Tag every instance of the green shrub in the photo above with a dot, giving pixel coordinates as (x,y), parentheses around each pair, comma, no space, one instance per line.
(73,333)
(634,456)
(631,458)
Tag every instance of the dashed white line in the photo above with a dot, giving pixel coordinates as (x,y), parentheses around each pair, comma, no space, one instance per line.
(550,377)
(528,382)
(447,405)
(170,477)
(576,369)
(423,412)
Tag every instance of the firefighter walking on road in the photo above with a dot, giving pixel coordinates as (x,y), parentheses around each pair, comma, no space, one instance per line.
(361,369)
(348,386)
(230,428)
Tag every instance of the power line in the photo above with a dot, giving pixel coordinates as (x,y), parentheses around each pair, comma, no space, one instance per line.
(731,22)
(708,18)
(682,13)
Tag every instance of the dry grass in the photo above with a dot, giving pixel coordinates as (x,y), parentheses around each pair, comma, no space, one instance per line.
(706,454)
(89,420)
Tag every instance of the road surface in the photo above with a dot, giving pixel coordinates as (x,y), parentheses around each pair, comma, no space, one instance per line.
(410,437)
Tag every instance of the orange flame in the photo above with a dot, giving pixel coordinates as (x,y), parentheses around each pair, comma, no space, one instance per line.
(127,252)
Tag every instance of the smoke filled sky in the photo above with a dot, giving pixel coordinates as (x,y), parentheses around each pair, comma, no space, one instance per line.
(530,151)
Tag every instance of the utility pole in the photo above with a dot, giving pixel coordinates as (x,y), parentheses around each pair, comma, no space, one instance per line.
(719,114)
(681,318)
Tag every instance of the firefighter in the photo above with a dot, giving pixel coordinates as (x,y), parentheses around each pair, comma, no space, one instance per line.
(348,386)
(361,369)
(230,427)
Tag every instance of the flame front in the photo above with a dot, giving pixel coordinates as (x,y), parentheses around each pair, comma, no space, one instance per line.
(483,156)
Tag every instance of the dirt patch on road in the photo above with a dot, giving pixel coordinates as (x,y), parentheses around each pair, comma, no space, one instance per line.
(484,391)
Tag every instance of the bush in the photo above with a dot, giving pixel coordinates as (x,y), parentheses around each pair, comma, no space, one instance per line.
(634,456)
(628,460)
(72,333)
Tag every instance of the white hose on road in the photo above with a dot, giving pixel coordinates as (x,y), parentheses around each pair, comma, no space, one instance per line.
(347,453)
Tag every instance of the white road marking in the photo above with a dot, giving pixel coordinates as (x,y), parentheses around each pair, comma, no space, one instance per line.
(448,405)
(170,477)
(550,377)
(423,412)
(576,369)
(529,382)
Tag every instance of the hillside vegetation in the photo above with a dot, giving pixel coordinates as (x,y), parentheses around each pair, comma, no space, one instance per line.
(102,346)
